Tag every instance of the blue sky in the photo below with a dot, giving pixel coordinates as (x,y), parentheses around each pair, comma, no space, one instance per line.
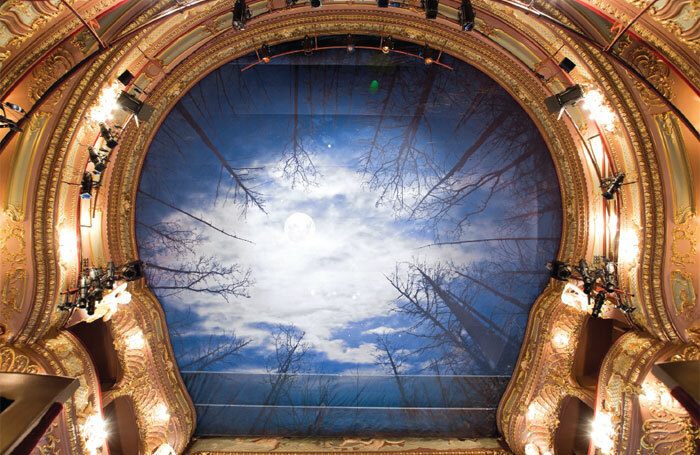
(334,284)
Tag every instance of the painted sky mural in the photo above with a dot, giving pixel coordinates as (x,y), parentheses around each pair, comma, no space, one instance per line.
(347,244)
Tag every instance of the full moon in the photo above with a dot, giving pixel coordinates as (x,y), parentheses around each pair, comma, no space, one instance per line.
(299,227)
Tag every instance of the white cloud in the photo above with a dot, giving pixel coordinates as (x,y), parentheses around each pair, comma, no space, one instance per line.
(383,330)
(325,284)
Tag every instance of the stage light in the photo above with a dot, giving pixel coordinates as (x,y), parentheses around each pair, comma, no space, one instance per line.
(265,53)
(86,186)
(429,54)
(241,13)
(133,105)
(99,159)
(308,45)
(387,44)
(315,3)
(559,270)
(349,43)
(569,97)
(567,65)
(431,8)
(383,3)
(466,16)
(611,185)
(110,137)
(131,271)
(125,78)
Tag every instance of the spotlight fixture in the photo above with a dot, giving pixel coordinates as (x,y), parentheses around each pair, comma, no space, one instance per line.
(559,270)
(466,16)
(350,43)
(86,185)
(99,159)
(383,3)
(568,97)
(14,107)
(125,78)
(612,185)
(567,65)
(133,105)
(6,122)
(93,281)
(264,53)
(431,8)
(387,44)
(599,280)
(429,54)
(108,134)
(315,3)
(308,45)
(131,271)
(10,124)
(241,14)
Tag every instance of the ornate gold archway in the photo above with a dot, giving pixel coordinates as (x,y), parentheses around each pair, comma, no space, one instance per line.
(175,53)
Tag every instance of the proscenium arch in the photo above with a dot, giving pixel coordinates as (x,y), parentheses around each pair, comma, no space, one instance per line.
(509,73)
(116,199)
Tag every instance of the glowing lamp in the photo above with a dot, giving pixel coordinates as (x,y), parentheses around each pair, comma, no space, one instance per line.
(603,432)
(135,340)
(628,246)
(160,413)
(574,297)
(164,449)
(94,433)
(531,449)
(560,340)
(68,245)
(106,103)
(598,111)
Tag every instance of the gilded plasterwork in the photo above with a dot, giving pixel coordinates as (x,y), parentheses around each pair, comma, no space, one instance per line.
(683,292)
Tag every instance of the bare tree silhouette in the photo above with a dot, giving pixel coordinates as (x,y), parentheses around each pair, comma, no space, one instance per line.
(200,355)
(199,275)
(392,360)
(286,361)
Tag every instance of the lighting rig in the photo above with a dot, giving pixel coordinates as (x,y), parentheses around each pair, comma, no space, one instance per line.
(466,16)
(99,158)
(431,8)
(556,103)
(241,13)
(5,121)
(611,185)
(93,281)
(387,44)
(110,136)
(599,280)
(86,185)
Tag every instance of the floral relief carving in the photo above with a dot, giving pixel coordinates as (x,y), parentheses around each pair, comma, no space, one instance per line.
(12,361)
(655,71)
(60,62)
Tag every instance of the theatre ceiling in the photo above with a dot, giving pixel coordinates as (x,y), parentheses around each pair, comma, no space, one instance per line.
(351,243)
